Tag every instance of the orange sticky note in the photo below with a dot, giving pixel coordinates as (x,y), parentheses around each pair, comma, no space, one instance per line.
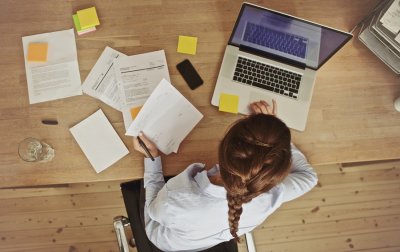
(187,45)
(229,103)
(135,111)
(37,52)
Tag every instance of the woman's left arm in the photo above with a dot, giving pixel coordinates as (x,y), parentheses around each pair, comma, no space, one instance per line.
(153,175)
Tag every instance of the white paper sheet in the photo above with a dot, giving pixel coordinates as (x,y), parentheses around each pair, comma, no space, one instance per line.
(166,118)
(137,77)
(58,77)
(101,82)
(391,19)
(99,141)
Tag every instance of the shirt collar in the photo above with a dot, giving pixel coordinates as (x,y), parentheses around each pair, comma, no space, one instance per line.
(206,186)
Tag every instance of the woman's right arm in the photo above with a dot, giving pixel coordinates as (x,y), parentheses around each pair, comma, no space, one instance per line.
(301,179)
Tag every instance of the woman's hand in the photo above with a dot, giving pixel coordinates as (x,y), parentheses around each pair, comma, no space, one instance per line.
(263,107)
(149,144)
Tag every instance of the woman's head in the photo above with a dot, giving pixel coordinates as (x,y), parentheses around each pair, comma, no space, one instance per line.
(254,156)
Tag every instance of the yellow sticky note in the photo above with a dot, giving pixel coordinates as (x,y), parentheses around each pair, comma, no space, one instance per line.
(135,111)
(187,45)
(88,18)
(229,103)
(37,52)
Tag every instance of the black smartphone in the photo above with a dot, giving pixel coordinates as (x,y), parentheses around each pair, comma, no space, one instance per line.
(190,74)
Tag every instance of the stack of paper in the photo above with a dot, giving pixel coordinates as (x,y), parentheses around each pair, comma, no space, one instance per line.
(125,82)
(86,20)
(381,33)
(137,77)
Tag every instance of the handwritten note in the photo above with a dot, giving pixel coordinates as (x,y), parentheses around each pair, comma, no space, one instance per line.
(166,118)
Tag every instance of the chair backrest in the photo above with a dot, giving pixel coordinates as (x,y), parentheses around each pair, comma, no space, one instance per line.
(133,196)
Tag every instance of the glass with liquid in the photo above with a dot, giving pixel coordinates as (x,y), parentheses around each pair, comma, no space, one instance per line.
(34,150)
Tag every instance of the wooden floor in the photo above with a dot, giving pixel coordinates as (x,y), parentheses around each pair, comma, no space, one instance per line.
(354,208)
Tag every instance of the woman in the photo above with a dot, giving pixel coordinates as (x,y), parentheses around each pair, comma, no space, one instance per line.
(259,169)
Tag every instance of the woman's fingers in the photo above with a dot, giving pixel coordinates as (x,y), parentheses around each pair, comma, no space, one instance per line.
(274,107)
(147,142)
(263,107)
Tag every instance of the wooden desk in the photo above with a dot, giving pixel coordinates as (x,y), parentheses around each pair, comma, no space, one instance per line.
(352,117)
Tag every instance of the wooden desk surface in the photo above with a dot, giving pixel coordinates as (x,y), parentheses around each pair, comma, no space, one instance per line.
(351,119)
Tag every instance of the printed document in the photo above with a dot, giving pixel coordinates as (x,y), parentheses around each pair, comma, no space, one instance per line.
(59,76)
(166,118)
(101,82)
(137,76)
(99,141)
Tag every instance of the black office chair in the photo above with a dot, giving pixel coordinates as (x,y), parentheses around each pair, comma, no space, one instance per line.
(131,192)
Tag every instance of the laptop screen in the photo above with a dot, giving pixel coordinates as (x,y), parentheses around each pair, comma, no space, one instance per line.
(288,37)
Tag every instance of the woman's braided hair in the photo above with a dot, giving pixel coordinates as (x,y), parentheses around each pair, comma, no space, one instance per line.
(254,156)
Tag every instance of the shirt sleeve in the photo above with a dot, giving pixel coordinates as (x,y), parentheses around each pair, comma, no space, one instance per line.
(157,207)
(155,198)
(301,179)
(153,178)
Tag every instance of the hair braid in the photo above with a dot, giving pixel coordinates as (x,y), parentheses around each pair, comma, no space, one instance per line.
(235,210)
(254,156)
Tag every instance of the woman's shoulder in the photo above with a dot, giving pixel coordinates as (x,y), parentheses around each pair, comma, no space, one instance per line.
(271,198)
(184,180)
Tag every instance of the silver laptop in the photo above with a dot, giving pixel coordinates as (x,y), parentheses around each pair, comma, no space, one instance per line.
(272,55)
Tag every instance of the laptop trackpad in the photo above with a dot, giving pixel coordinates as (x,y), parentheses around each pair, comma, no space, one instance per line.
(256,96)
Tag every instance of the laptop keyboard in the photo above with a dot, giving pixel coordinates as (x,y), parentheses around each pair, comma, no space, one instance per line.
(264,76)
(281,41)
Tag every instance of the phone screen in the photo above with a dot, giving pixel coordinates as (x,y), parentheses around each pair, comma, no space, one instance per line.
(190,74)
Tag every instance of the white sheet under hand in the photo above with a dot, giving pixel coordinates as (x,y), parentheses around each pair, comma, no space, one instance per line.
(166,118)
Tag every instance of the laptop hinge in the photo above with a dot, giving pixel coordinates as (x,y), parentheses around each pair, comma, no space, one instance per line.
(268,55)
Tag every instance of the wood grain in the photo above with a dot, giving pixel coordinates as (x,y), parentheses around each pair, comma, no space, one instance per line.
(343,213)
(352,118)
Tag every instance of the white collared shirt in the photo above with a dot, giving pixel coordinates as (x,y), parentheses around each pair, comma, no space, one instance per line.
(189,213)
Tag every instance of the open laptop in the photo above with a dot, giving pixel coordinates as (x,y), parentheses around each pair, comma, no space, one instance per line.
(272,55)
